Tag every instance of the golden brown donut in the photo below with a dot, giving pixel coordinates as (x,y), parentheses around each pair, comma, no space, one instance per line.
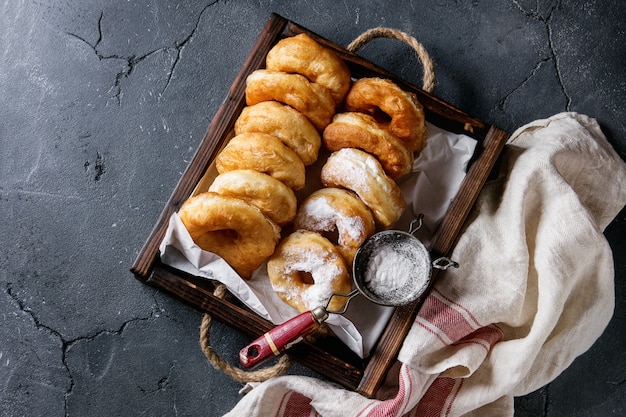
(302,55)
(361,173)
(284,122)
(272,197)
(358,130)
(377,95)
(306,270)
(309,98)
(264,153)
(232,229)
(336,210)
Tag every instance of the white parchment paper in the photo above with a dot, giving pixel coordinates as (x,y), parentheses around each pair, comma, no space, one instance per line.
(436,177)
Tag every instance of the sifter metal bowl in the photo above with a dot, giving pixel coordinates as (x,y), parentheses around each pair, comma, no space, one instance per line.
(409,266)
(393,256)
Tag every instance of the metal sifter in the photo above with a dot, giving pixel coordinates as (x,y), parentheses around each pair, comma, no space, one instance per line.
(391,268)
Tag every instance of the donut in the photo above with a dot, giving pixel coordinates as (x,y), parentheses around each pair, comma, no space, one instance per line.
(295,90)
(284,122)
(272,197)
(232,229)
(404,114)
(264,153)
(361,173)
(336,210)
(306,270)
(300,54)
(359,130)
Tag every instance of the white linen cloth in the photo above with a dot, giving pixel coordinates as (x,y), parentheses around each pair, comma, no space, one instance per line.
(534,289)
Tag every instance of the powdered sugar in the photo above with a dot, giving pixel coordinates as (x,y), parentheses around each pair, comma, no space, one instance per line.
(396,272)
(323,272)
(322,216)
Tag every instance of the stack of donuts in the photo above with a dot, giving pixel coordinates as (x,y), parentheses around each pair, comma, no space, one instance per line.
(277,135)
(292,110)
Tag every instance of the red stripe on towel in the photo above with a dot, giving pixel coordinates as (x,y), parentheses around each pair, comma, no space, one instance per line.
(465,309)
(294,404)
(485,337)
(454,324)
(439,398)
(441,315)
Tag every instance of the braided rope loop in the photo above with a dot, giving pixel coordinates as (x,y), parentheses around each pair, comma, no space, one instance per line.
(428,81)
(280,368)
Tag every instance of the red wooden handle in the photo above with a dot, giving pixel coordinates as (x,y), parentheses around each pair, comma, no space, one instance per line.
(277,340)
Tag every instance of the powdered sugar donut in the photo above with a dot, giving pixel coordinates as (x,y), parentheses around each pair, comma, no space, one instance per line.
(306,270)
(335,210)
(360,172)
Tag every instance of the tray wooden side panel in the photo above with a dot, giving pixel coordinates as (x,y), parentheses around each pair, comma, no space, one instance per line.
(488,152)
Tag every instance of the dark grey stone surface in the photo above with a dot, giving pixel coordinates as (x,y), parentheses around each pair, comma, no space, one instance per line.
(103,104)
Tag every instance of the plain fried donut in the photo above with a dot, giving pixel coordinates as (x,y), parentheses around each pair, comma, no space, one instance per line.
(232,229)
(376,95)
(300,54)
(361,173)
(284,122)
(358,130)
(272,197)
(306,270)
(264,153)
(330,210)
(309,98)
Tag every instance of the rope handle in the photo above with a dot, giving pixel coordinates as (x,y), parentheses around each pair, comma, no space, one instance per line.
(284,363)
(281,367)
(428,80)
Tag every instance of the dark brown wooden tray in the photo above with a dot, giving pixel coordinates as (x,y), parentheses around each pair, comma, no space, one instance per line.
(325,355)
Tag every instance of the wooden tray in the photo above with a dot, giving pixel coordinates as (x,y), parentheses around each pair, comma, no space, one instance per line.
(326,355)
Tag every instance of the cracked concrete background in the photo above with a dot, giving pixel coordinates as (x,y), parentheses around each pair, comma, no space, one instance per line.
(103,105)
